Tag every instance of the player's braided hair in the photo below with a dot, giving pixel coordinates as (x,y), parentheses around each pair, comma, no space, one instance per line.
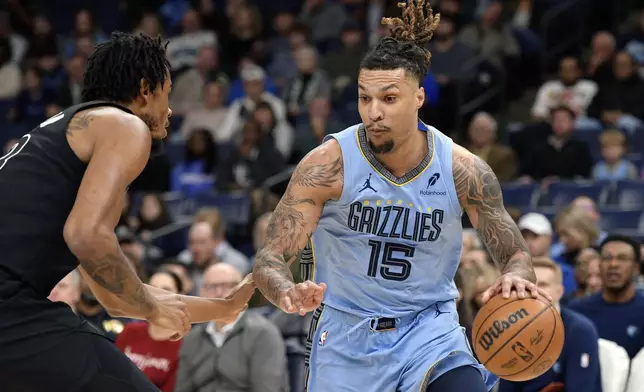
(407,46)
(115,68)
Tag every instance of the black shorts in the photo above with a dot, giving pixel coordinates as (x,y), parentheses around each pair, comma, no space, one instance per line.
(45,347)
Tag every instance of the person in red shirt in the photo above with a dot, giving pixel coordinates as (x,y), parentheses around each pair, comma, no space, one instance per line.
(148,347)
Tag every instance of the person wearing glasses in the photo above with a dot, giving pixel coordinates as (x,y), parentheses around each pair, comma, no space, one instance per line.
(618,309)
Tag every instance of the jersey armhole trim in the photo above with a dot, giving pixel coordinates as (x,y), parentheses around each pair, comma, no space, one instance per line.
(451,185)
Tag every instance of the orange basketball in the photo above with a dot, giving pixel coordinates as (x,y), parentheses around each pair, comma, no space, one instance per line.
(518,339)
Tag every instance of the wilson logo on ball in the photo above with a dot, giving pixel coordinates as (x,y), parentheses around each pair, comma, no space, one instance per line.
(498,327)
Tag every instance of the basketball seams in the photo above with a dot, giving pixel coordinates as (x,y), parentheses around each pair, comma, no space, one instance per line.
(478,327)
(552,336)
(508,340)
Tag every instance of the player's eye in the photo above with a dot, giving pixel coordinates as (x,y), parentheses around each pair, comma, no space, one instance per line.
(390,99)
(363,98)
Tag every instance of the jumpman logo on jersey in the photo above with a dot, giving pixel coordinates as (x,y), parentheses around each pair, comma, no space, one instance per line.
(367,185)
(438,311)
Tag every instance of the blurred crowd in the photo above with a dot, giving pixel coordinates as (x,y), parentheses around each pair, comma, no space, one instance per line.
(548,92)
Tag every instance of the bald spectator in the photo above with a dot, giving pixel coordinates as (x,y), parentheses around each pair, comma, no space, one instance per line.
(482,134)
(600,61)
(67,290)
(207,245)
(246,355)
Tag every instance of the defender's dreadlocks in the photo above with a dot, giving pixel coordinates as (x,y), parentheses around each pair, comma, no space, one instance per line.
(116,67)
(406,48)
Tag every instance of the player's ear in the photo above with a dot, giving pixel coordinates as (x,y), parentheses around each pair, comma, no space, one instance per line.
(420,98)
(144,91)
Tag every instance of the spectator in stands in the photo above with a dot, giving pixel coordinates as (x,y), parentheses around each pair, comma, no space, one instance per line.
(67,290)
(576,231)
(309,83)
(149,25)
(343,64)
(471,240)
(32,102)
(618,310)
(83,29)
(207,245)
(618,103)
(311,128)
(70,90)
(489,38)
(570,90)
(560,156)
(283,23)
(600,62)
(538,233)
(587,261)
(482,277)
(148,346)
(152,215)
(482,134)
(259,232)
(183,50)
(246,355)
(181,270)
(594,282)
(241,109)
(465,317)
(244,39)
(325,19)
(280,133)
(43,42)
(632,40)
(196,173)
(144,257)
(577,368)
(282,64)
(209,115)
(18,42)
(188,89)
(252,162)
(614,166)
(10,77)
(474,259)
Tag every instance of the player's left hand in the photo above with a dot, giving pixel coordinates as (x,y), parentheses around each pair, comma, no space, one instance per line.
(510,281)
(237,301)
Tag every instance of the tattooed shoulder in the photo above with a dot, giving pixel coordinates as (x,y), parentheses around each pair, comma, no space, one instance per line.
(475,182)
(79,122)
(321,168)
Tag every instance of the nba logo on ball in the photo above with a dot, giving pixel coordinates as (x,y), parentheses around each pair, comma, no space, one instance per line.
(518,339)
(323,338)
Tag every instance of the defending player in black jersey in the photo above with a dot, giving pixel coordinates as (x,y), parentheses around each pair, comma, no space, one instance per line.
(62,187)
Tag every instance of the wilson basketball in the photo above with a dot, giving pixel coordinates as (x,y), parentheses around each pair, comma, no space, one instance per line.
(518,339)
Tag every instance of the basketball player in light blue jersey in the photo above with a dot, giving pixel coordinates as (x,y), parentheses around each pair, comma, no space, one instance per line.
(375,212)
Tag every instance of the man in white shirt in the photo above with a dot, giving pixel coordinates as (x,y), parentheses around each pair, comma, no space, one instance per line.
(570,90)
(183,49)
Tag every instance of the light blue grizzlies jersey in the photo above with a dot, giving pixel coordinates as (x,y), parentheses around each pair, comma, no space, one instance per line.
(390,246)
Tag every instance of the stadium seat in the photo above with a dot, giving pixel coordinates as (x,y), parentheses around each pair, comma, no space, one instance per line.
(636,142)
(234,207)
(616,219)
(629,194)
(591,137)
(562,193)
(520,196)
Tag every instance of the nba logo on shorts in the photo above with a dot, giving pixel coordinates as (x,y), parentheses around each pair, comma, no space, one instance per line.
(323,338)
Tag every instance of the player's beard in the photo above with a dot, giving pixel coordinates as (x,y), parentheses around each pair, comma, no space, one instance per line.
(383,148)
(156,147)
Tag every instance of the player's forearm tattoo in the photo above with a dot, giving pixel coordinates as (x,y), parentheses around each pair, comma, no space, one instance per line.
(116,274)
(478,187)
(289,230)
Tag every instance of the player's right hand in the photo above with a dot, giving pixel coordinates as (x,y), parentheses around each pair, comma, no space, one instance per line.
(171,315)
(302,298)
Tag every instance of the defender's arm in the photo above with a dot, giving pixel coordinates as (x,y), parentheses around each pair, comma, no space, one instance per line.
(118,148)
(318,177)
(479,193)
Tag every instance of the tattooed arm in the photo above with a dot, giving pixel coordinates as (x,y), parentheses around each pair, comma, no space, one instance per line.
(318,177)
(116,147)
(479,193)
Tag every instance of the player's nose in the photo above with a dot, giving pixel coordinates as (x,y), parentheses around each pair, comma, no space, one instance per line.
(375,111)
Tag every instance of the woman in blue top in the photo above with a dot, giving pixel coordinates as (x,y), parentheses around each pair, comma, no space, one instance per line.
(196,173)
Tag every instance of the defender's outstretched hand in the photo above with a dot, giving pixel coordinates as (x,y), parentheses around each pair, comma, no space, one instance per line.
(171,316)
(237,301)
(302,298)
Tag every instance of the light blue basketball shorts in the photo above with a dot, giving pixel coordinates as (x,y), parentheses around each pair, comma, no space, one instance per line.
(349,353)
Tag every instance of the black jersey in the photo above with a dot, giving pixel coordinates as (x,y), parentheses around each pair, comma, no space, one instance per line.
(39,180)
